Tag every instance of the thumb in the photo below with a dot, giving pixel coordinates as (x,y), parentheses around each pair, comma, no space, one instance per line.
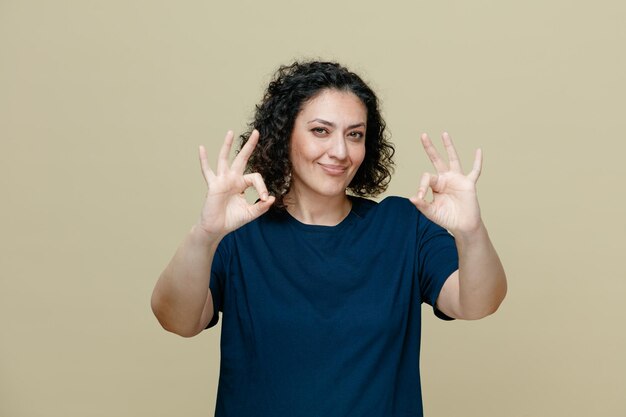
(421,204)
(260,207)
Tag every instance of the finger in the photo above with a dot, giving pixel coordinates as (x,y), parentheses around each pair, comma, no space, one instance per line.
(478,166)
(428,180)
(207,173)
(261,207)
(433,155)
(239,164)
(421,205)
(256,180)
(222,160)
(419,200)
(453,158)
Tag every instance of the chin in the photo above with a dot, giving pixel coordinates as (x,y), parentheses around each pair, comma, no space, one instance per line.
(335,191)
(323,186)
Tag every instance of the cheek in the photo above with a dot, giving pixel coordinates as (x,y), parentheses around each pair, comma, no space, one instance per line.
(300,157)
(307,152)
(359,155)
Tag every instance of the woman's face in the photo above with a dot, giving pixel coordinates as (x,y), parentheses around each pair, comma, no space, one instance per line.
(327,144)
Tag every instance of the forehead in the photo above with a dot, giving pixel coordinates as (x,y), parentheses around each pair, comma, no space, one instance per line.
(334,106)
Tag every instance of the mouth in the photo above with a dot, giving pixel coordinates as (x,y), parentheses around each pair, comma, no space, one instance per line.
(334,169)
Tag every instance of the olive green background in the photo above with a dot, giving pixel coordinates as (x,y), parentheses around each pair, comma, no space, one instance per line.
(103,106)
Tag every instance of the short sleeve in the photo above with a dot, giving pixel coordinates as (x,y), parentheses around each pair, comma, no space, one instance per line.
(217,283)
(437,260)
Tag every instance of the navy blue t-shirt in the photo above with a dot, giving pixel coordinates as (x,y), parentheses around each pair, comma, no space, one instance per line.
(324,321)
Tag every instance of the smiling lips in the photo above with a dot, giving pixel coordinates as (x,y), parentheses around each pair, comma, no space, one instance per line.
(334,169)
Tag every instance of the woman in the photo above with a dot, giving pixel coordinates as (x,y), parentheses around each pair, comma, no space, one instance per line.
(320,290)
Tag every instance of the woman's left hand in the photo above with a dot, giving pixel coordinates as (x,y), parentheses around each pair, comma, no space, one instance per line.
(454,205)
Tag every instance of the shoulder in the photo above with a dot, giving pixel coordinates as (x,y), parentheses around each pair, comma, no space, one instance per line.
(264,228)
(389,205)
(397,203)
(392,215)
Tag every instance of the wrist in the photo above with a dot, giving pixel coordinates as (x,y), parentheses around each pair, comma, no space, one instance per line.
(202,236)
(471,234)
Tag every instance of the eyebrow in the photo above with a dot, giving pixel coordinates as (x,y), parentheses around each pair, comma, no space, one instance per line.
(331,124)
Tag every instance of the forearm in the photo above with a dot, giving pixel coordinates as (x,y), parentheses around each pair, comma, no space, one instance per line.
(181,293)
(482,281)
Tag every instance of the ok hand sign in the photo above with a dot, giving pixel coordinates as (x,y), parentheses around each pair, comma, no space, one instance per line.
(454,205)
(226,208)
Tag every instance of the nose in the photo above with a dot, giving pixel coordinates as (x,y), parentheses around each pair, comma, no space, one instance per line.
(337,147)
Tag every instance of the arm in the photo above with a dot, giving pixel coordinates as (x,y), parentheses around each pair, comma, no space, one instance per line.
(181,299)
(478,287)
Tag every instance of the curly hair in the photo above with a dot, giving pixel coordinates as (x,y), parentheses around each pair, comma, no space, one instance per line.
(290,89)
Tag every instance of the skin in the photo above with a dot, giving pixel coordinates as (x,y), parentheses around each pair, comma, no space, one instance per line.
(327,148)
(479,286)
(181,299)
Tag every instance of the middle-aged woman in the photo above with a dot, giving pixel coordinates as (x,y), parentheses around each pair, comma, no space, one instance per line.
(320,290)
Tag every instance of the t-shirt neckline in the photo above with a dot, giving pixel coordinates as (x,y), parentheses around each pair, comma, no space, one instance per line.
(353,214)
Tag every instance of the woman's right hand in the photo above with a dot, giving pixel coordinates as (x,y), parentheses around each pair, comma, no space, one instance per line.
(226,208)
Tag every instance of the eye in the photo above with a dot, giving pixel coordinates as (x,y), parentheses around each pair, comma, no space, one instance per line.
(319,131)
(356,134)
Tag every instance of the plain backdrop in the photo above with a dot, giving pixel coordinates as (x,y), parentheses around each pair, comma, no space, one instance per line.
(103,106)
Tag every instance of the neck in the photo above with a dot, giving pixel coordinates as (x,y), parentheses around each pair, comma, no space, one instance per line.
(329,211)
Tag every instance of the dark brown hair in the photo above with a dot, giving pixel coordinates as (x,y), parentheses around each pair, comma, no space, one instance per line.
(293,86)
